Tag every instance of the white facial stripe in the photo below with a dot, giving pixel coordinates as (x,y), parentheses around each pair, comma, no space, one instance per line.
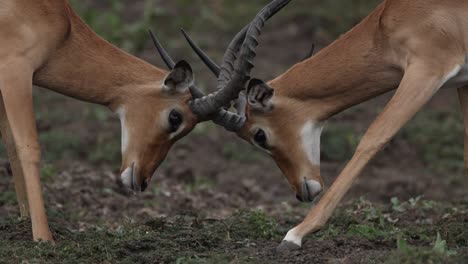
(310,136)
(121,113)
(175,134)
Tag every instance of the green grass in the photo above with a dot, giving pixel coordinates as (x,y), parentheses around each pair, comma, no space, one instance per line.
(183,239)
(241,237)
(439,253)
(109,24)
(439,138)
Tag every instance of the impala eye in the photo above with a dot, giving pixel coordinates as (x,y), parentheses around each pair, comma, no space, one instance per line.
(175,120)
(260,139)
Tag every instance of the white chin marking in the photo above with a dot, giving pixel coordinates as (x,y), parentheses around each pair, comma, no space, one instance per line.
(315,188)
(127,177)
(310,135)
(293,238)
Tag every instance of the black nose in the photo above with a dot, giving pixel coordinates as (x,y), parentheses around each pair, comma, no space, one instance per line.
(298,197)
(144,185)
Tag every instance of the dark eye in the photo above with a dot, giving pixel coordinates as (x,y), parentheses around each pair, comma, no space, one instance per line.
(260,139)
(175,120)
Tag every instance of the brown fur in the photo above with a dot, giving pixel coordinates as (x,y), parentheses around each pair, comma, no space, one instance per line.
(408,45)
(45,43)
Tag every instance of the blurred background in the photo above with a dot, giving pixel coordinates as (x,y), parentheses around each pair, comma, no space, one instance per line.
(212,171)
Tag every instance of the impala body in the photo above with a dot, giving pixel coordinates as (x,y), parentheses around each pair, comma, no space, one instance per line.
(414,46)
(45,43)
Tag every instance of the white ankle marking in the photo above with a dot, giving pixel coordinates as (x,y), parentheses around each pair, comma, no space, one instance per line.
(121,113)
(457,78)
(310,135)
(293,238)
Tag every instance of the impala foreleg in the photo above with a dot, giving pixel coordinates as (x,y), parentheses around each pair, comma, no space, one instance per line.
(463,96)
(19,128)
(418,85)
(18,178)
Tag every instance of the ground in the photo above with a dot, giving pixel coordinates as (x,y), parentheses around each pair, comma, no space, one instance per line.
(216,199)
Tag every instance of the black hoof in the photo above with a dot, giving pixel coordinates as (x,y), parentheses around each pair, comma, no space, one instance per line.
(287,246)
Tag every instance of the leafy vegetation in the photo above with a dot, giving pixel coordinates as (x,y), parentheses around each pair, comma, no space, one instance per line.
(190,238)
(439,253)
(439,137)
(182,239)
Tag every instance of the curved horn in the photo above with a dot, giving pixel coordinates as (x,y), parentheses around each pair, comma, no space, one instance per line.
(214,68)
(196,93)
(162,52)
(224,73)
(231,121)
(209,104)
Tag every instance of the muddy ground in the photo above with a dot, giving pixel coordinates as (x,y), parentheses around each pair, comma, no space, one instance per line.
(216,199)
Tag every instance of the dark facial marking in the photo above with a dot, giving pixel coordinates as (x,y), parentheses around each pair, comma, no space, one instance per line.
(175,120)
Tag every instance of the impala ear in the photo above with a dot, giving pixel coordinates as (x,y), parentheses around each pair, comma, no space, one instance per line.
(180,79)
(259,95)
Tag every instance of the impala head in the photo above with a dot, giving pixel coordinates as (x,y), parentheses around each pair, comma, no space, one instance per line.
(282,128)
(152,122)
(275,124)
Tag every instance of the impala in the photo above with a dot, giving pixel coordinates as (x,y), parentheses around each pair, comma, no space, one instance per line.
(45,43)
(414,46)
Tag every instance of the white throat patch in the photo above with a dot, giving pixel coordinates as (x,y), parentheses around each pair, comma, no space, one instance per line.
(121,113)
(310,136)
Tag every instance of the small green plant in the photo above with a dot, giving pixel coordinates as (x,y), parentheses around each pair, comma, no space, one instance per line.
(250,225)
(262,226)
(48,172)
(413,203)
(367,231)
(405,253)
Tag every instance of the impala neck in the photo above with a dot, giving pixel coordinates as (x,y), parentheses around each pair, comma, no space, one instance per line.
(350,71)
(90,69)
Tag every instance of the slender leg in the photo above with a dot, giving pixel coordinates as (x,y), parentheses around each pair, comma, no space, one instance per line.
(18,177)
(19,124)
(463,96)
(419,84)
